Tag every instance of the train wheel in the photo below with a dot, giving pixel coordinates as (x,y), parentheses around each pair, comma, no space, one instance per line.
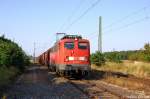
(49,68)
(77,75)
(85,74)
(67,73)
(57,72)
(61,73)
(54,69)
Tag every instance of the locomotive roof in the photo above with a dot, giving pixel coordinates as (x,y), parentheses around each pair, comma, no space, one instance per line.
(71,37)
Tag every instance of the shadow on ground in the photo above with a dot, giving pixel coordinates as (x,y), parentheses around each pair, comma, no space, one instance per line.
(98,75)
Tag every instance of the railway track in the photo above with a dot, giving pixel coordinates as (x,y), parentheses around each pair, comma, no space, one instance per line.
(97,89)
(102,90)
(92,90)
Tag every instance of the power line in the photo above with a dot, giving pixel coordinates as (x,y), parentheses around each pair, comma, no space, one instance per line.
(82,15)
(126,17)
(121,27)
(72,14)
(129,24)
(93,34)
(132,23)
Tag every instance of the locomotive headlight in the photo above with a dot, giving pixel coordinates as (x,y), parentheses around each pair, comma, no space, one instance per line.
(83,58)
(70,58)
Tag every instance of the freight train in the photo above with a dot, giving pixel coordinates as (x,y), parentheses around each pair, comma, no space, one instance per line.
(69,56)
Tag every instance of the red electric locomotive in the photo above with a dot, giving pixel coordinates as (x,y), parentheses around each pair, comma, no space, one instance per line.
(69,56)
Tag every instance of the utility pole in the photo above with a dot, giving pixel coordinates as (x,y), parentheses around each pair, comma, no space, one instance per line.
(100,35)
(34,53)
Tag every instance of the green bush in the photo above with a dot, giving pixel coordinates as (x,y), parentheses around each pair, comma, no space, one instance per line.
(12,55)
(12,60)
(113,57)
(135,55)
(6,74)
(97,58)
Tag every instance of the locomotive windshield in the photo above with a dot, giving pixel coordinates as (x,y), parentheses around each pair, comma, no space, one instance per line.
(69,45)
(82,45)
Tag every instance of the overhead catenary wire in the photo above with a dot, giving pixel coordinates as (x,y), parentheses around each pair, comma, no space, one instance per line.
(82,15)
(128,24)
(126,17)
(72,14)
(123,19)
(125,26)
(121,27)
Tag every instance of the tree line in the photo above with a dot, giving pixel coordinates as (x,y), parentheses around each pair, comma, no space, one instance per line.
(117,56)
(11,54)
(12,62)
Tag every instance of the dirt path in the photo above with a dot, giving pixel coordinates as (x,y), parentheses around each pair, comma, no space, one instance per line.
(38,83)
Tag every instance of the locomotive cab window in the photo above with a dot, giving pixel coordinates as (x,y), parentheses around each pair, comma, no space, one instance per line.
(69,45)
(82,45)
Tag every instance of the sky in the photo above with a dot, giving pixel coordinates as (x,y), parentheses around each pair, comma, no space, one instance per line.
(125,23)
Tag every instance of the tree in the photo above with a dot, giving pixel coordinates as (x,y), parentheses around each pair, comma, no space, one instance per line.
(97,58)
(114,56)
(11,54)
(147,52)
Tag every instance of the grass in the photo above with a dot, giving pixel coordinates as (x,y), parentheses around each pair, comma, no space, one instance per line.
(6,74)
(138,69)
(124,82)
